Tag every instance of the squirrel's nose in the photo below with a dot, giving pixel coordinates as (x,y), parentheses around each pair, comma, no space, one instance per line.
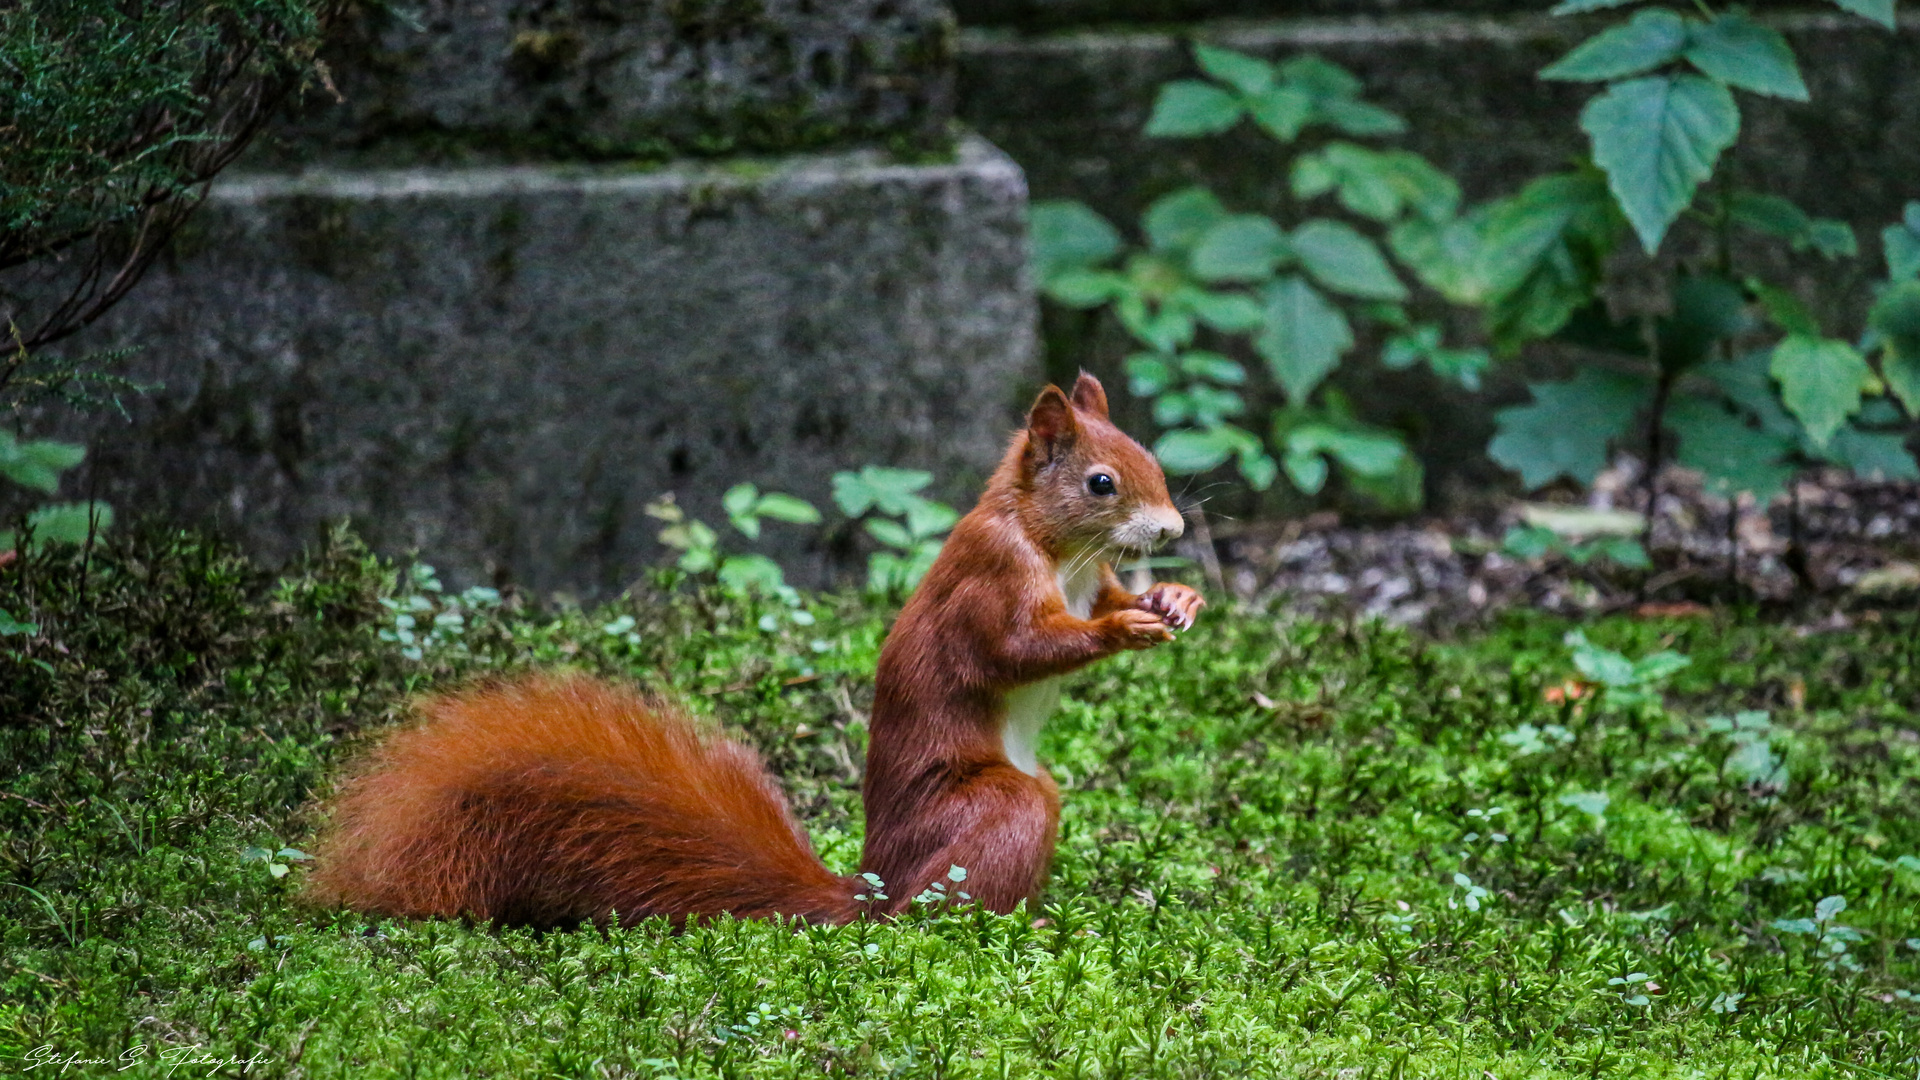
(1171,524)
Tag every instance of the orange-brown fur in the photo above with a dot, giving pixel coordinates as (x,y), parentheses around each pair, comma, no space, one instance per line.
(557,799)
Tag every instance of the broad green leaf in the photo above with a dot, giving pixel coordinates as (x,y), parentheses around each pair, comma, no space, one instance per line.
(1896,319)
(1176,222)
(1370,453)
(1282,112)
(1308,471)
(1304,338)
(1734,455)
(1647,41)
(1784,308)
(1321,77)
(1769,214)
(1827,909)
(1657,139)
(1188,107)
(1244,247)
(1740,52)
(1832,239)
(9,625)
(1376,184)
(1873,455)
(68,523)
(1081,288)
(1565,431)
(1065,233)
(1247,74)
(1229,313)
(1359,118)
(1148,374)
(1214,367)
(1880,11)
(1820,382)
(752,573)
(1542,254)
(1343,260)
(889,532)
(738,502)
(37,464)
(1902,245)
(1444,255)
(1186,452)
(1706,311)
(1591,803)
(892,491)
(788,508)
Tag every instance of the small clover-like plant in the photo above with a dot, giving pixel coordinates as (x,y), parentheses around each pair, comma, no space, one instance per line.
(874,887)
(908,525)
(1468,895)
(1528,739)
(427,620)
(1633,988)
(1832,941)
(277,862)
(746,507)
(936,893)
(1753,761)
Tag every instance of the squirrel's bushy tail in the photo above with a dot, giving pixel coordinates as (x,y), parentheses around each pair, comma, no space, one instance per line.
(559,799)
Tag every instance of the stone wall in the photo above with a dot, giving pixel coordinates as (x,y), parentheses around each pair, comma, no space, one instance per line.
(499,366)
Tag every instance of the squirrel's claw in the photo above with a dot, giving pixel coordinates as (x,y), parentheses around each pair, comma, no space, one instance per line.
(1176,605)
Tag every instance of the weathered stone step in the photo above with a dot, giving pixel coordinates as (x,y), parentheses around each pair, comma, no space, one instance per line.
(501,366)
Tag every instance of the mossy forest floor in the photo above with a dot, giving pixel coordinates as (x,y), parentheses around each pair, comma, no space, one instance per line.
(1288,849)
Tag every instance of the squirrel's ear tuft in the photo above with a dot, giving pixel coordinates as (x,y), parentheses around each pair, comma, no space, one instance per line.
(1050,423)
(1088,394)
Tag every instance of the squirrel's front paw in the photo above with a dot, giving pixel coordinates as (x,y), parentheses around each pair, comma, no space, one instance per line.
(1134,629)
(1175,605)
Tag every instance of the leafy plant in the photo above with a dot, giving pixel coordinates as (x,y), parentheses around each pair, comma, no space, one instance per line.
(37,465)
(908,525)
(699,545)
(426,620)
(1207,277)
(1732,375)
(1625,681)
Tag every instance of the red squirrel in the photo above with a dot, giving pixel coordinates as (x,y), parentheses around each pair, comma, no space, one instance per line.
(559,799)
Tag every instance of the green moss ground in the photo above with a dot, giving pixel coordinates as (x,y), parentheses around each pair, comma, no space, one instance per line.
(1266,831)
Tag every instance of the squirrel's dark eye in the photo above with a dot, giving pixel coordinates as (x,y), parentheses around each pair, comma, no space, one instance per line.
(1100,484)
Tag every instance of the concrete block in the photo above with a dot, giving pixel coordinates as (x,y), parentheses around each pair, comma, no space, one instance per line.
(500,366)
(516,80)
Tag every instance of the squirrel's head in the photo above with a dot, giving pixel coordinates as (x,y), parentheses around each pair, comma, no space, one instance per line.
(1085,484)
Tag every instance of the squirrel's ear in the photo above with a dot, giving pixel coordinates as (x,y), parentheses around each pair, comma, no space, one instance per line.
(1088,394)
(1050,423)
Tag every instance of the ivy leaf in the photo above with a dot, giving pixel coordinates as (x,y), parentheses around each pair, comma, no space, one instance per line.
(1244,247)
(1189,107)
(1880,11)
(1740,52)
(1304,338)
(1176,222)
(1657,139)
(1902,244)
(1343,260)
(1820,382)
(1651,38)
(1248,74)
(1734,455)
(1565,431)
(1896,318)
(1064,233)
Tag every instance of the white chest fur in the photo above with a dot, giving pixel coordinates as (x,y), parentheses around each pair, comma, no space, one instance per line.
(1029,706)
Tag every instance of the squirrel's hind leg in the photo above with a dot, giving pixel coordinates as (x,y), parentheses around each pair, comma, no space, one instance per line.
(1005,843)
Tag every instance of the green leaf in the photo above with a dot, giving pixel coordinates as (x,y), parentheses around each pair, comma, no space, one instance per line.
(1657,139)
(1176,222)
(1740,52)
(892,491)
(1734,455)
(1769,214)
(1304,338)
(1706,311)
(1308,471)
(1444,255)
(1214,367)
(1064,233)
(752,573)
(1832,239)
(1827,909)
(9,626)
(1188,107)
(738,502)
(1896,319)
(788,508)
(1186,452)
(37,464)
(1647,41)
(1880,11)
(1244,247)
(889,532)
(68,523)
(1565,431)
(1902,245)
(1229,313)
(1873,455)
(1543,254)
(1081,288)
(1148,374)
(1784,308)
(1282,112)
(1369,453)
(1360,119)
(1343,260)
(1248,74)
(1820,382)
(1320,77)
(926,518)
